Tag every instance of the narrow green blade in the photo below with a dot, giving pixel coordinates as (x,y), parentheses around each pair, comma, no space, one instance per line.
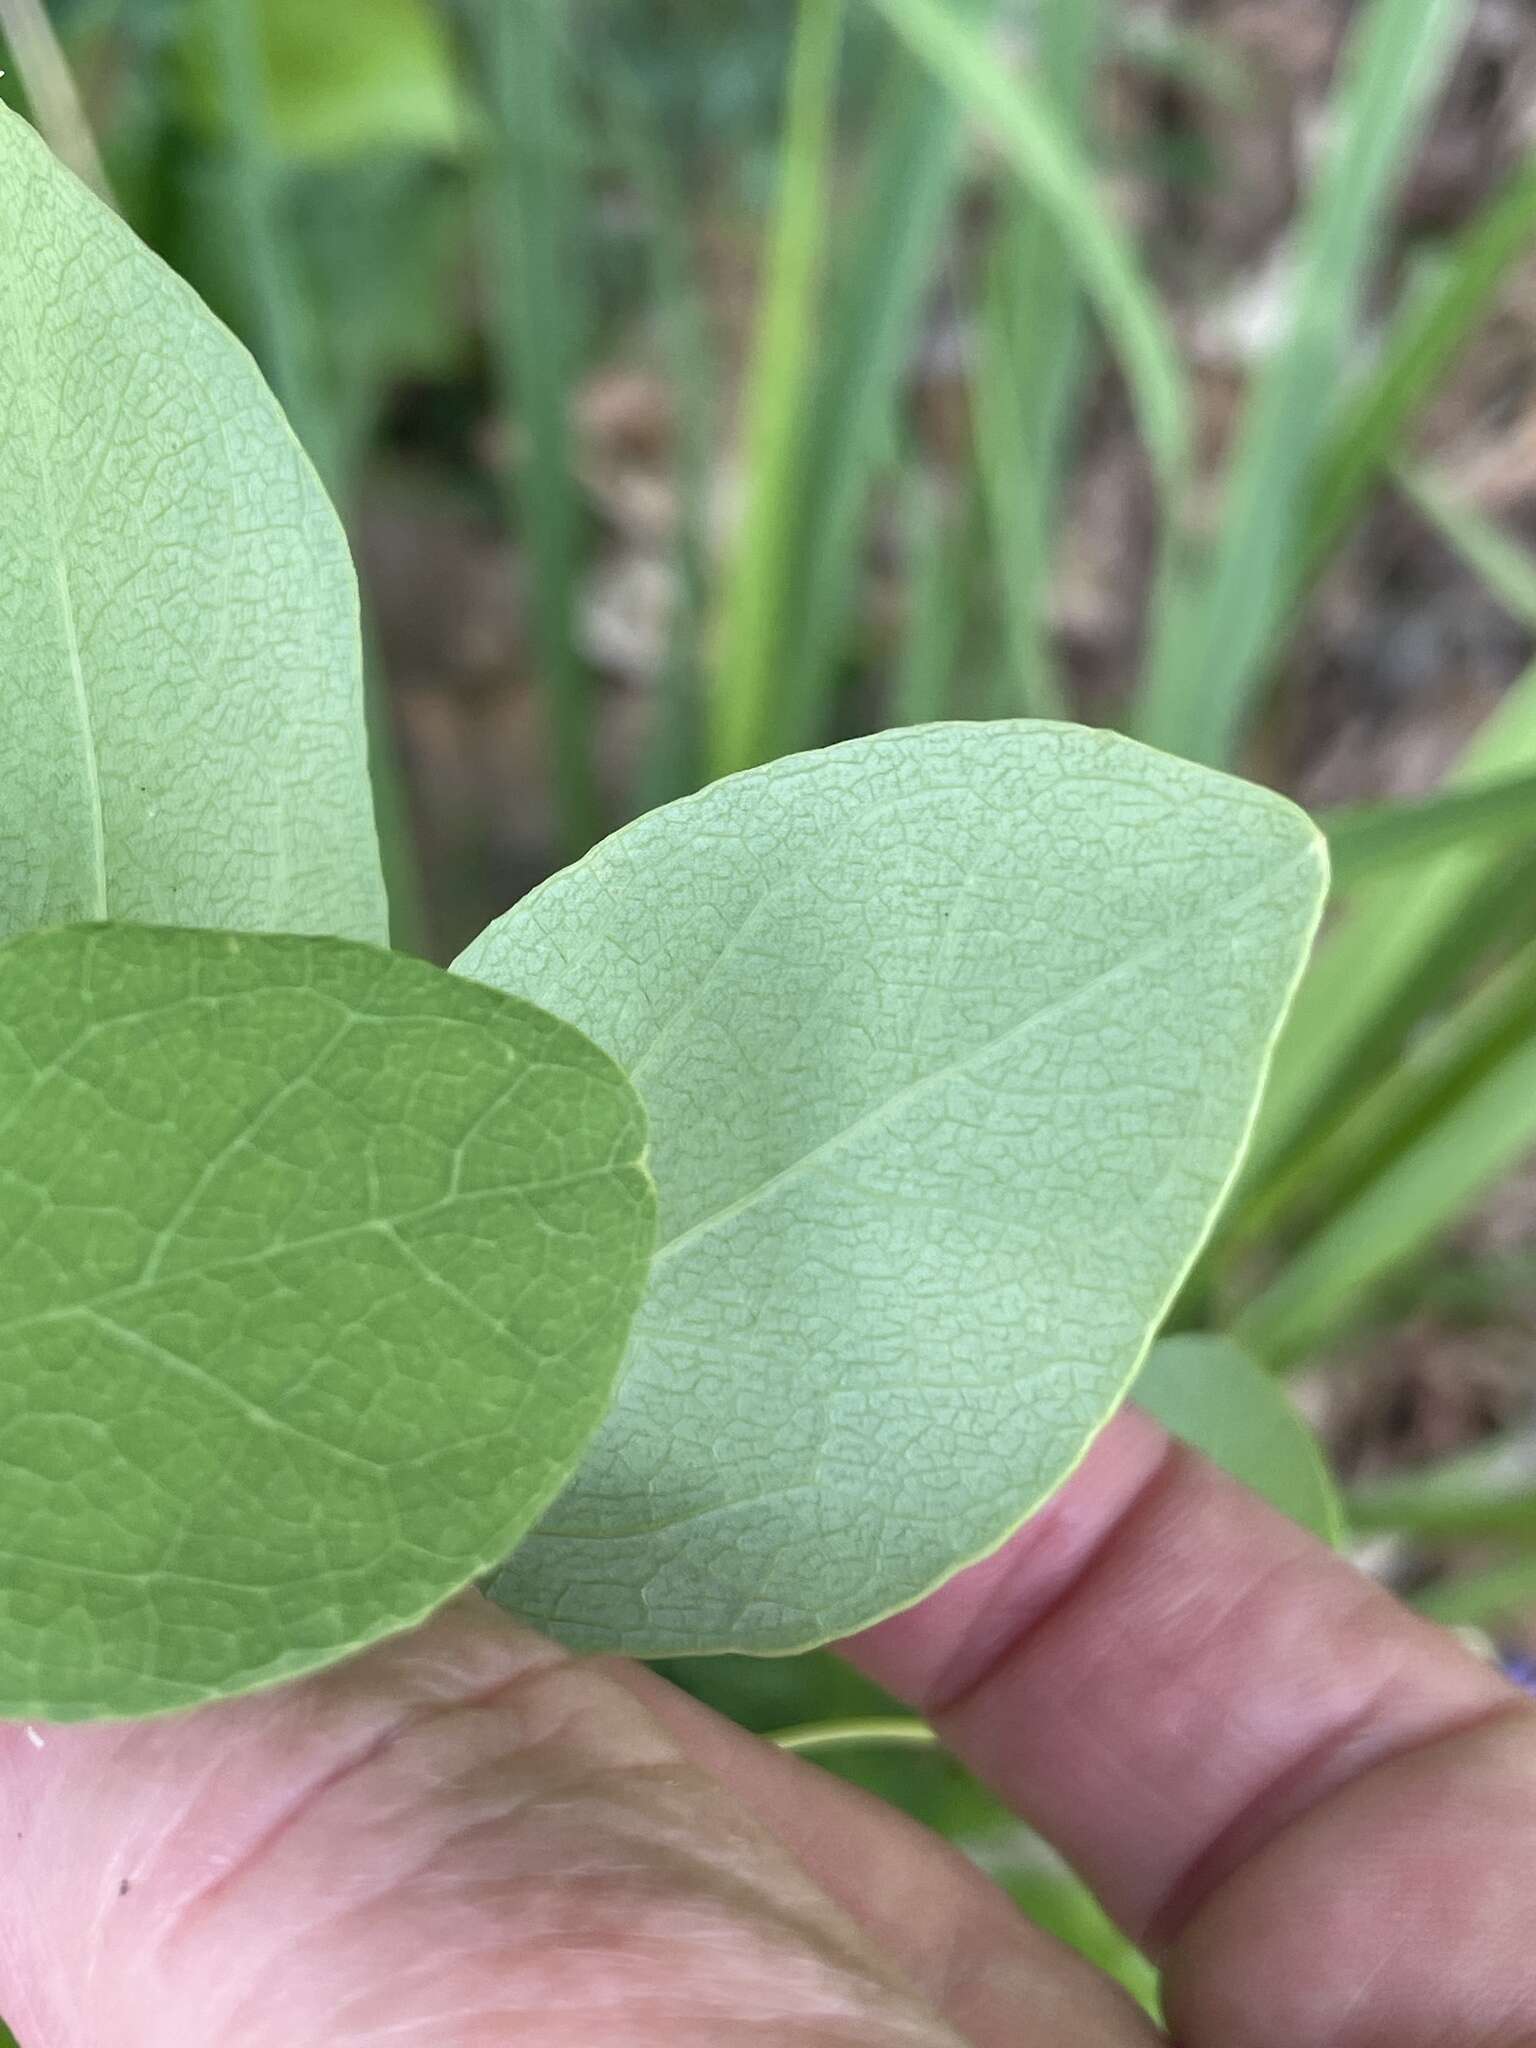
(1506,568)
(1368,840)
(1214,636)
(1356,1002)
(1422,343)
(1033,361)
(751,678)
(1331,1281)
(1061,182)
(531,207)
(884,265)
(1489,1491)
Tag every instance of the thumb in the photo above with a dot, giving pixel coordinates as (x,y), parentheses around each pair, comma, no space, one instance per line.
(462,1838)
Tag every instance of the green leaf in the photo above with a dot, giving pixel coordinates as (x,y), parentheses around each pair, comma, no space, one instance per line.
(1208,1391)
(1042,1885)
(950,1042)
(373,74)
(317,1269)
(181,735)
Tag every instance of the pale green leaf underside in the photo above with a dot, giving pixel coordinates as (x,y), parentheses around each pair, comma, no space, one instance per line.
(1208,1391)
(181,735)
(316,1267)
(949,1041)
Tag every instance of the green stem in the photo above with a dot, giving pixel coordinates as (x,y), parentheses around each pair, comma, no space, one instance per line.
(530,208)
(258,197)
(881,1731)
(672,756)
(1034,348)
(941,544)
(752,631)
(51,89)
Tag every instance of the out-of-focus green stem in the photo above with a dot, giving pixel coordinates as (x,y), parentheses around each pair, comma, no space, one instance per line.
(257,186)
(752,635)
(530,206)
(1033,349)
(50,84)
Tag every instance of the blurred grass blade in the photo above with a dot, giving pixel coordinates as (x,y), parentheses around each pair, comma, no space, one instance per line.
(54,98)
(672,759)
(257,191)
(1433,1074)
(885,263)
(1474,1599)
(1357,1000)
(1421,345)
(531,215)
(1477,1291)
(1040,148)
(1488,1491)
(940,549)
(1506,569)
(1370,839)
(1209,651)
(747,708)
(1324,1288)
(1030,373)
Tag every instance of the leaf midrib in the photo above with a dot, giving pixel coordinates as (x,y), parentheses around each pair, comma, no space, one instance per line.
(372,1226)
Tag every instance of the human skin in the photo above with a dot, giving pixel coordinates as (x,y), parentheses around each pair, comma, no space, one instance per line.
(1318,1813)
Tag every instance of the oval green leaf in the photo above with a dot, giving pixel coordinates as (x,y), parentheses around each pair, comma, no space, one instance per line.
(1209,1392)
(316,1268)
(950,1042)
(181,731)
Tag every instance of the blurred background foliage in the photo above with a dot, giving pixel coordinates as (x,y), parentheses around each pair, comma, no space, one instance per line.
(702,379)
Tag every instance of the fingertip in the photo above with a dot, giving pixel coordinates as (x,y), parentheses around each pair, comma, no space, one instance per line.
(935,1652)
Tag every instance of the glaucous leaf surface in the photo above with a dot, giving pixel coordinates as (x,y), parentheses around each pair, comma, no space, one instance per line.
(950,1041)
(181,731)
(316,1268)
(1208,1391)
